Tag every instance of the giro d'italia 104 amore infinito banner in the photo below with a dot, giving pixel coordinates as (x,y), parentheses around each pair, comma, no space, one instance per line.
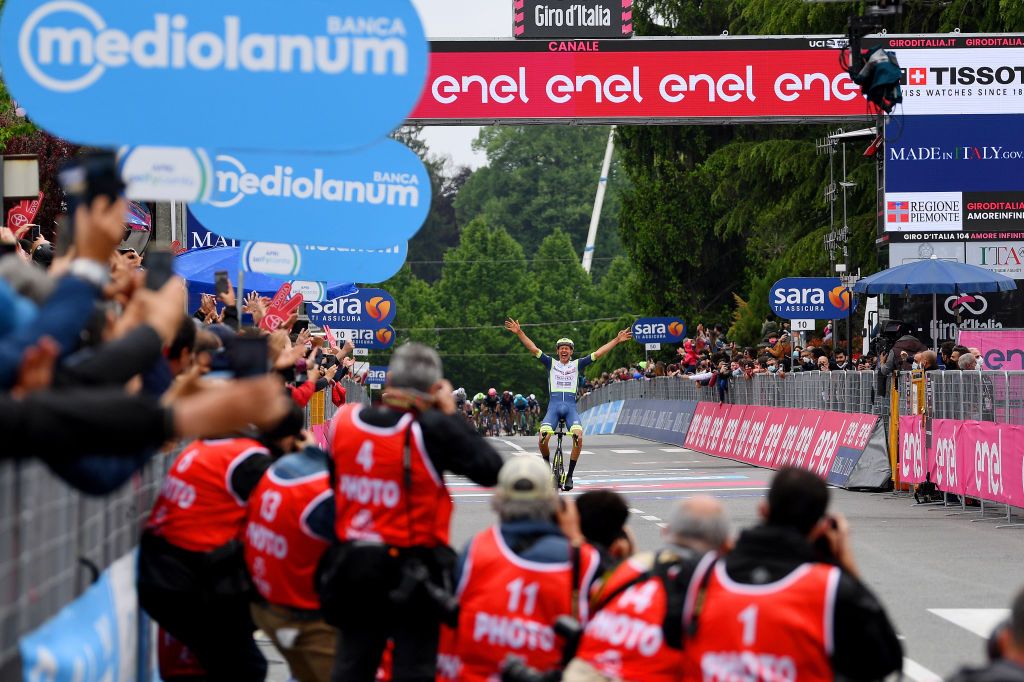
(235,74)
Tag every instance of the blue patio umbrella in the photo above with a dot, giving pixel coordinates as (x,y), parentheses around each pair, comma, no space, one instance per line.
(199,267)
(934,276)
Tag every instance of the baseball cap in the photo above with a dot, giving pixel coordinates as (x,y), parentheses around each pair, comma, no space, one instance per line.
(525,478)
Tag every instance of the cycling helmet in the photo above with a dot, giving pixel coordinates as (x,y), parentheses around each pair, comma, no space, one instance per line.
(519,396)
(533,397)
(492,392)
(565,342)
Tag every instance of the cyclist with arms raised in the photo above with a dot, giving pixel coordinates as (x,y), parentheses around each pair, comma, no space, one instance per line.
(564,375)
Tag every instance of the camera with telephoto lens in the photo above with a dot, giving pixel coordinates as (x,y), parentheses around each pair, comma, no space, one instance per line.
(515,669)
(415,576)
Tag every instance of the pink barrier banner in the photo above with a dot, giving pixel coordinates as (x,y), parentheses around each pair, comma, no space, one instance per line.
(1000,349)
(774,437)
(993,455)
(912,450)
(943,458)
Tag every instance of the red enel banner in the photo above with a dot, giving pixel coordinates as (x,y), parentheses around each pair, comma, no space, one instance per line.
(774,437)
(640,80)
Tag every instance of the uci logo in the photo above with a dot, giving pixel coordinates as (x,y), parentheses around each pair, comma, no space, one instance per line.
(66,46)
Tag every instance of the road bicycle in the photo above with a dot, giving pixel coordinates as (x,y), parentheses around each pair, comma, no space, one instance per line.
(557,459)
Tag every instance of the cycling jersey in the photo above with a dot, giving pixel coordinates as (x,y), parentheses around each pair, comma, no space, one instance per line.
(491,402)
(563,382)
(521,404)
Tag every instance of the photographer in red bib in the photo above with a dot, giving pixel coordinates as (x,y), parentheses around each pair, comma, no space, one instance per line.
(391,575)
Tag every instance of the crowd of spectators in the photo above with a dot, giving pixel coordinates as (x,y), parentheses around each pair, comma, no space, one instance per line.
(710,358)
(94,342)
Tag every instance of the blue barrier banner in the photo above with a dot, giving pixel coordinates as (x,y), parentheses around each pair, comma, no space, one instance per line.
(378,374)
(373,197)
(92,639)
(371,339)
(327,263)
(665,421)
(601,420)
(233,74)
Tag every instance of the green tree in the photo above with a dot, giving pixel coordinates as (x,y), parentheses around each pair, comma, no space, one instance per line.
(484,279)
(543,178)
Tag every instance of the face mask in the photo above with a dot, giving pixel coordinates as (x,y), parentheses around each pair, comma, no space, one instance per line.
(917,365)
(773,369)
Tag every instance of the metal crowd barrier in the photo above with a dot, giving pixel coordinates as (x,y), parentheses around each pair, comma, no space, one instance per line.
(972,395)
(54,540)
(854,392)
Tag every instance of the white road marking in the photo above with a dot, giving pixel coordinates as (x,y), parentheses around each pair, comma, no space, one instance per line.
(661,524)
(650,518)
(586,452)
(628,452)
(918,672)
(979,621)
(635,511)
(512,445)
(625,490)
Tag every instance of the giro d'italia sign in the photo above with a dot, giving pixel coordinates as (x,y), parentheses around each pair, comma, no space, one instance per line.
(232,74)
(311,199)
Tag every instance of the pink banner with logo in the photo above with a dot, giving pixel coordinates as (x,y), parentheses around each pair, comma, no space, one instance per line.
(912,466)
(1000,349)
(774,437)
(943,458)
(993,455)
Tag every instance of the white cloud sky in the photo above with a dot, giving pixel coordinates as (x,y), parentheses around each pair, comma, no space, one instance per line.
(462,19)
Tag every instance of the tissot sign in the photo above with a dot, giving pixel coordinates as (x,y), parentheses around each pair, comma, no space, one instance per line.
(573,18)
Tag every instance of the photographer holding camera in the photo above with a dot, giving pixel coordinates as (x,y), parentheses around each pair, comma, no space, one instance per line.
(789,597)
(388,576)
(517,580)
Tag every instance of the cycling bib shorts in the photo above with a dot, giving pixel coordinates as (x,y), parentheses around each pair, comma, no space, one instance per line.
(563,381)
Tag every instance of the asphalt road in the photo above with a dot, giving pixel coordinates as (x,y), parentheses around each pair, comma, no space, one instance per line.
(945,580)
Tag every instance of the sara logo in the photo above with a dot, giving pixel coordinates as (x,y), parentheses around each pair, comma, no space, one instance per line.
(371,339)
(840,298)
(817,298)
(370,309)
(323,263)
(378,308)
(659,330)
(975,305)
(384,336)
(349,74)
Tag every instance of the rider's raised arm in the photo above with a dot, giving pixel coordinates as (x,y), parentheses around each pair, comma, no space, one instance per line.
(513,326)
(624,335)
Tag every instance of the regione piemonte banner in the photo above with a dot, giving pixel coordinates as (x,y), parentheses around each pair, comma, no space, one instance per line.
(739,79)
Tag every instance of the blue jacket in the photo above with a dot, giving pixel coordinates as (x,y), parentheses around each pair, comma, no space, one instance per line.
(62,318)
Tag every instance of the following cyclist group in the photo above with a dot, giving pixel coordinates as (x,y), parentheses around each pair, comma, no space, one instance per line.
(509,414)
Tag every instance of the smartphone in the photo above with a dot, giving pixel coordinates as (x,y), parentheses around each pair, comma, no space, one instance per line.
(159,269)
(221,281)
(248,357)
(34,233)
